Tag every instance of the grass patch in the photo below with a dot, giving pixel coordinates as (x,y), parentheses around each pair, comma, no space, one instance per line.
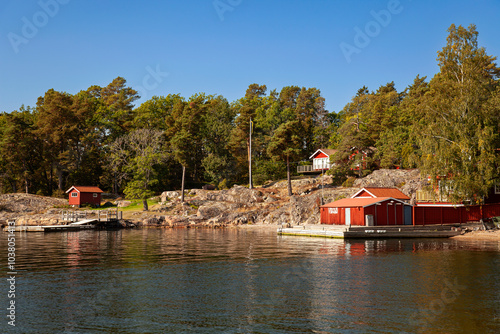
(136,204)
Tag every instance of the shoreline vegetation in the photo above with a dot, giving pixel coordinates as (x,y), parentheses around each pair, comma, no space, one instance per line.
(447,126)
(262,208)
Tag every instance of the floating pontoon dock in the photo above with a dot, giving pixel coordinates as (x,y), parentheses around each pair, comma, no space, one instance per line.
(368,232)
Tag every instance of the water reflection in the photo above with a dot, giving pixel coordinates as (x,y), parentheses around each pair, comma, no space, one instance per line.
(241,281)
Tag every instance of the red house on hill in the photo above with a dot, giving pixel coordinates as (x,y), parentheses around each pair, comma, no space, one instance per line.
(84,195)
(320,162)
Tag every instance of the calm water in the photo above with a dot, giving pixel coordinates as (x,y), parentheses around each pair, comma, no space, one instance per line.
(243,281)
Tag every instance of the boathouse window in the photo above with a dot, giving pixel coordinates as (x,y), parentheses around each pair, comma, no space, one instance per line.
(75,194)
(95,195)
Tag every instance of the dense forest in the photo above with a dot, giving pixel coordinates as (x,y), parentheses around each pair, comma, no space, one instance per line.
(447,126)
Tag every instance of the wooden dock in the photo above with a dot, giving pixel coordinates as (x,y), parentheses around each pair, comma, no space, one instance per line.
(75,221)
(50,228)
(371,232)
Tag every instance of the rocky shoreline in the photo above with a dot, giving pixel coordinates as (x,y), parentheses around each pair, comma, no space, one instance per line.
(268,205)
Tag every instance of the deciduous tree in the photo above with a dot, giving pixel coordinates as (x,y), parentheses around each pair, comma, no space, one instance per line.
(459,132)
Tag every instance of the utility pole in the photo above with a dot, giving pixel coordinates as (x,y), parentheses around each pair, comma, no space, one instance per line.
(322,184)
(250,157)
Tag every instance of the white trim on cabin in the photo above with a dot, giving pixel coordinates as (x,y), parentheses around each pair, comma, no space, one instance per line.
(361,190)
(73,187)
(318,150)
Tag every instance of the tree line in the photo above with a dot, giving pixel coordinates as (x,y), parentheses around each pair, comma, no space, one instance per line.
(447,126)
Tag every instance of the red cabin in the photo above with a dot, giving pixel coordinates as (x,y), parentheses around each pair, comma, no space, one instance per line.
(366,212)
(84,195)
(321,159)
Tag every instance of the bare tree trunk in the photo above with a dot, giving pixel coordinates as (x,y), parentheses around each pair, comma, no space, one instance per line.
(26,184)
(182,186)
(51,178)
(60,178)
(288,176)
(14,186)
(145,205)
(249,151)
(115,184)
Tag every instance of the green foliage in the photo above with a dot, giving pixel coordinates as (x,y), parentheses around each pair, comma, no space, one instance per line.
(349,182)
(218,122)
(223,185)
(286,144)
(266,170)
(58,193)
(136,155)
(459,133)
(216,168)
(137,205)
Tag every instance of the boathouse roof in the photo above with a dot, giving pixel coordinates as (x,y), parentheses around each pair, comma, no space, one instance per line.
(85,189)
(359,202)
(377,192)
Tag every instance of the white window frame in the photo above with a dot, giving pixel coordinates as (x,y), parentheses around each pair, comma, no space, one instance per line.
(74,194)
(95,195)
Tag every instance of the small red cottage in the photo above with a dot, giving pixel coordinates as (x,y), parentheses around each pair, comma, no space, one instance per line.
(84,195)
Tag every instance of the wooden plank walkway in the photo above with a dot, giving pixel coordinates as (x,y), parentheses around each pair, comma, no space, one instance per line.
(85,222)
(50,228)
(370,232)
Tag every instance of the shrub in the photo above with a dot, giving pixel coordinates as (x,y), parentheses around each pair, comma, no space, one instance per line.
(268,170)
(58,193)
(349,182)
(223,184)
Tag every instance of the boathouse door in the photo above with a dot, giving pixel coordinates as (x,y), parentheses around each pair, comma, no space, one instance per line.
(348,216)
(407,215)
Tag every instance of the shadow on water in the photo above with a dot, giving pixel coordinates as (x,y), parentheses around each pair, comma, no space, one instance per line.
(248,281)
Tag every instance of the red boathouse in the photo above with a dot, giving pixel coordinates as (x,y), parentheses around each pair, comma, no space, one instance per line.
(366,212)
(84,195)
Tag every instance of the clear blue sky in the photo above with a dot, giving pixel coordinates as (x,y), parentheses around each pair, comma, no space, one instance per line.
(222,46)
